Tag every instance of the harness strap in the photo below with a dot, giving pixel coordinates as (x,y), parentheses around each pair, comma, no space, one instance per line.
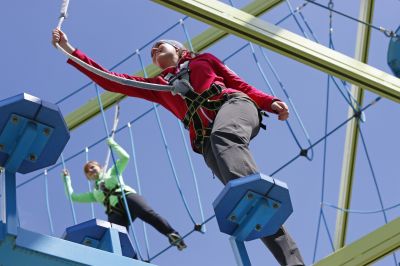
(194,101)
(107,194)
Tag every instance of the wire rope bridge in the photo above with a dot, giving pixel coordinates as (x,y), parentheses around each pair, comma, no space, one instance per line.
(33,135)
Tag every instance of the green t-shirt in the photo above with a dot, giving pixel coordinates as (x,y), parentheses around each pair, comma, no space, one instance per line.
(110,180)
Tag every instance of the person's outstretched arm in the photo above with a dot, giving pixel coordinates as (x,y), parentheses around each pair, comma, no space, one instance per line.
(83,197)
(123,157)
(61,38)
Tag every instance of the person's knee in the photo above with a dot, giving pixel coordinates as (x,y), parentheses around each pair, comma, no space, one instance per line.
(148,215)
(226,138)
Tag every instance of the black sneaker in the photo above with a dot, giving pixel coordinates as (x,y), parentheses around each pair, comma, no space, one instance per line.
(176,240)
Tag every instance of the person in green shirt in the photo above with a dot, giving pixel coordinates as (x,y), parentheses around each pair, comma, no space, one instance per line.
(107,190)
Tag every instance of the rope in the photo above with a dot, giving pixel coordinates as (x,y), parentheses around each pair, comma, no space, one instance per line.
(388,33)
(168,151)
(359,211)
(272,92)
(304,21)
(115,125)
(101,73)
(293,107)
(349,97)
(186,35)
(325,141)
(317,235)
(118,174)
(260,69)
(46,188)
(194,176)
(139,187)
(376,184)
(298,9)
(88,182)
(71,204)
(327,230)
(295,19)
(117,79)
(373,173)
(329,133)
(123,60)
(63,13)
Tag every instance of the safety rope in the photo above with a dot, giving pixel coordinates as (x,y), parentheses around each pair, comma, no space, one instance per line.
(117,79)
(124,59)
(194,176)
(325,149)
(114,128)
(63,13)
(101,73)
(139,186)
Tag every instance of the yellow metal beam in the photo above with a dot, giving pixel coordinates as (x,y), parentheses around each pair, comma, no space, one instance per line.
(367,249)
(246,26)
(352,133)
(200,43)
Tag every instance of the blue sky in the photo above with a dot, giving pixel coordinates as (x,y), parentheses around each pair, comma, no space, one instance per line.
(109,31)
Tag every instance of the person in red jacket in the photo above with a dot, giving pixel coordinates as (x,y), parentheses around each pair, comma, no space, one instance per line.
(220,110)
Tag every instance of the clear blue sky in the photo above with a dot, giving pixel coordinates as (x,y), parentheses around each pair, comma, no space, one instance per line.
(109,31)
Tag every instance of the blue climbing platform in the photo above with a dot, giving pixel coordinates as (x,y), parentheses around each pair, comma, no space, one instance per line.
(393,56)
(102,235)
(33,134)
(250,208)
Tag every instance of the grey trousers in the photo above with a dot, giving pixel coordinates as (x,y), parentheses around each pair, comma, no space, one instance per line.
(227,154)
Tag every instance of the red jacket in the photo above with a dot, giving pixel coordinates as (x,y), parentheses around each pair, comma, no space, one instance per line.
(205,69)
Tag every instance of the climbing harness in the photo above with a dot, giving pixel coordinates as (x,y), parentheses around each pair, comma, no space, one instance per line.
(112,192)
(196,103)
